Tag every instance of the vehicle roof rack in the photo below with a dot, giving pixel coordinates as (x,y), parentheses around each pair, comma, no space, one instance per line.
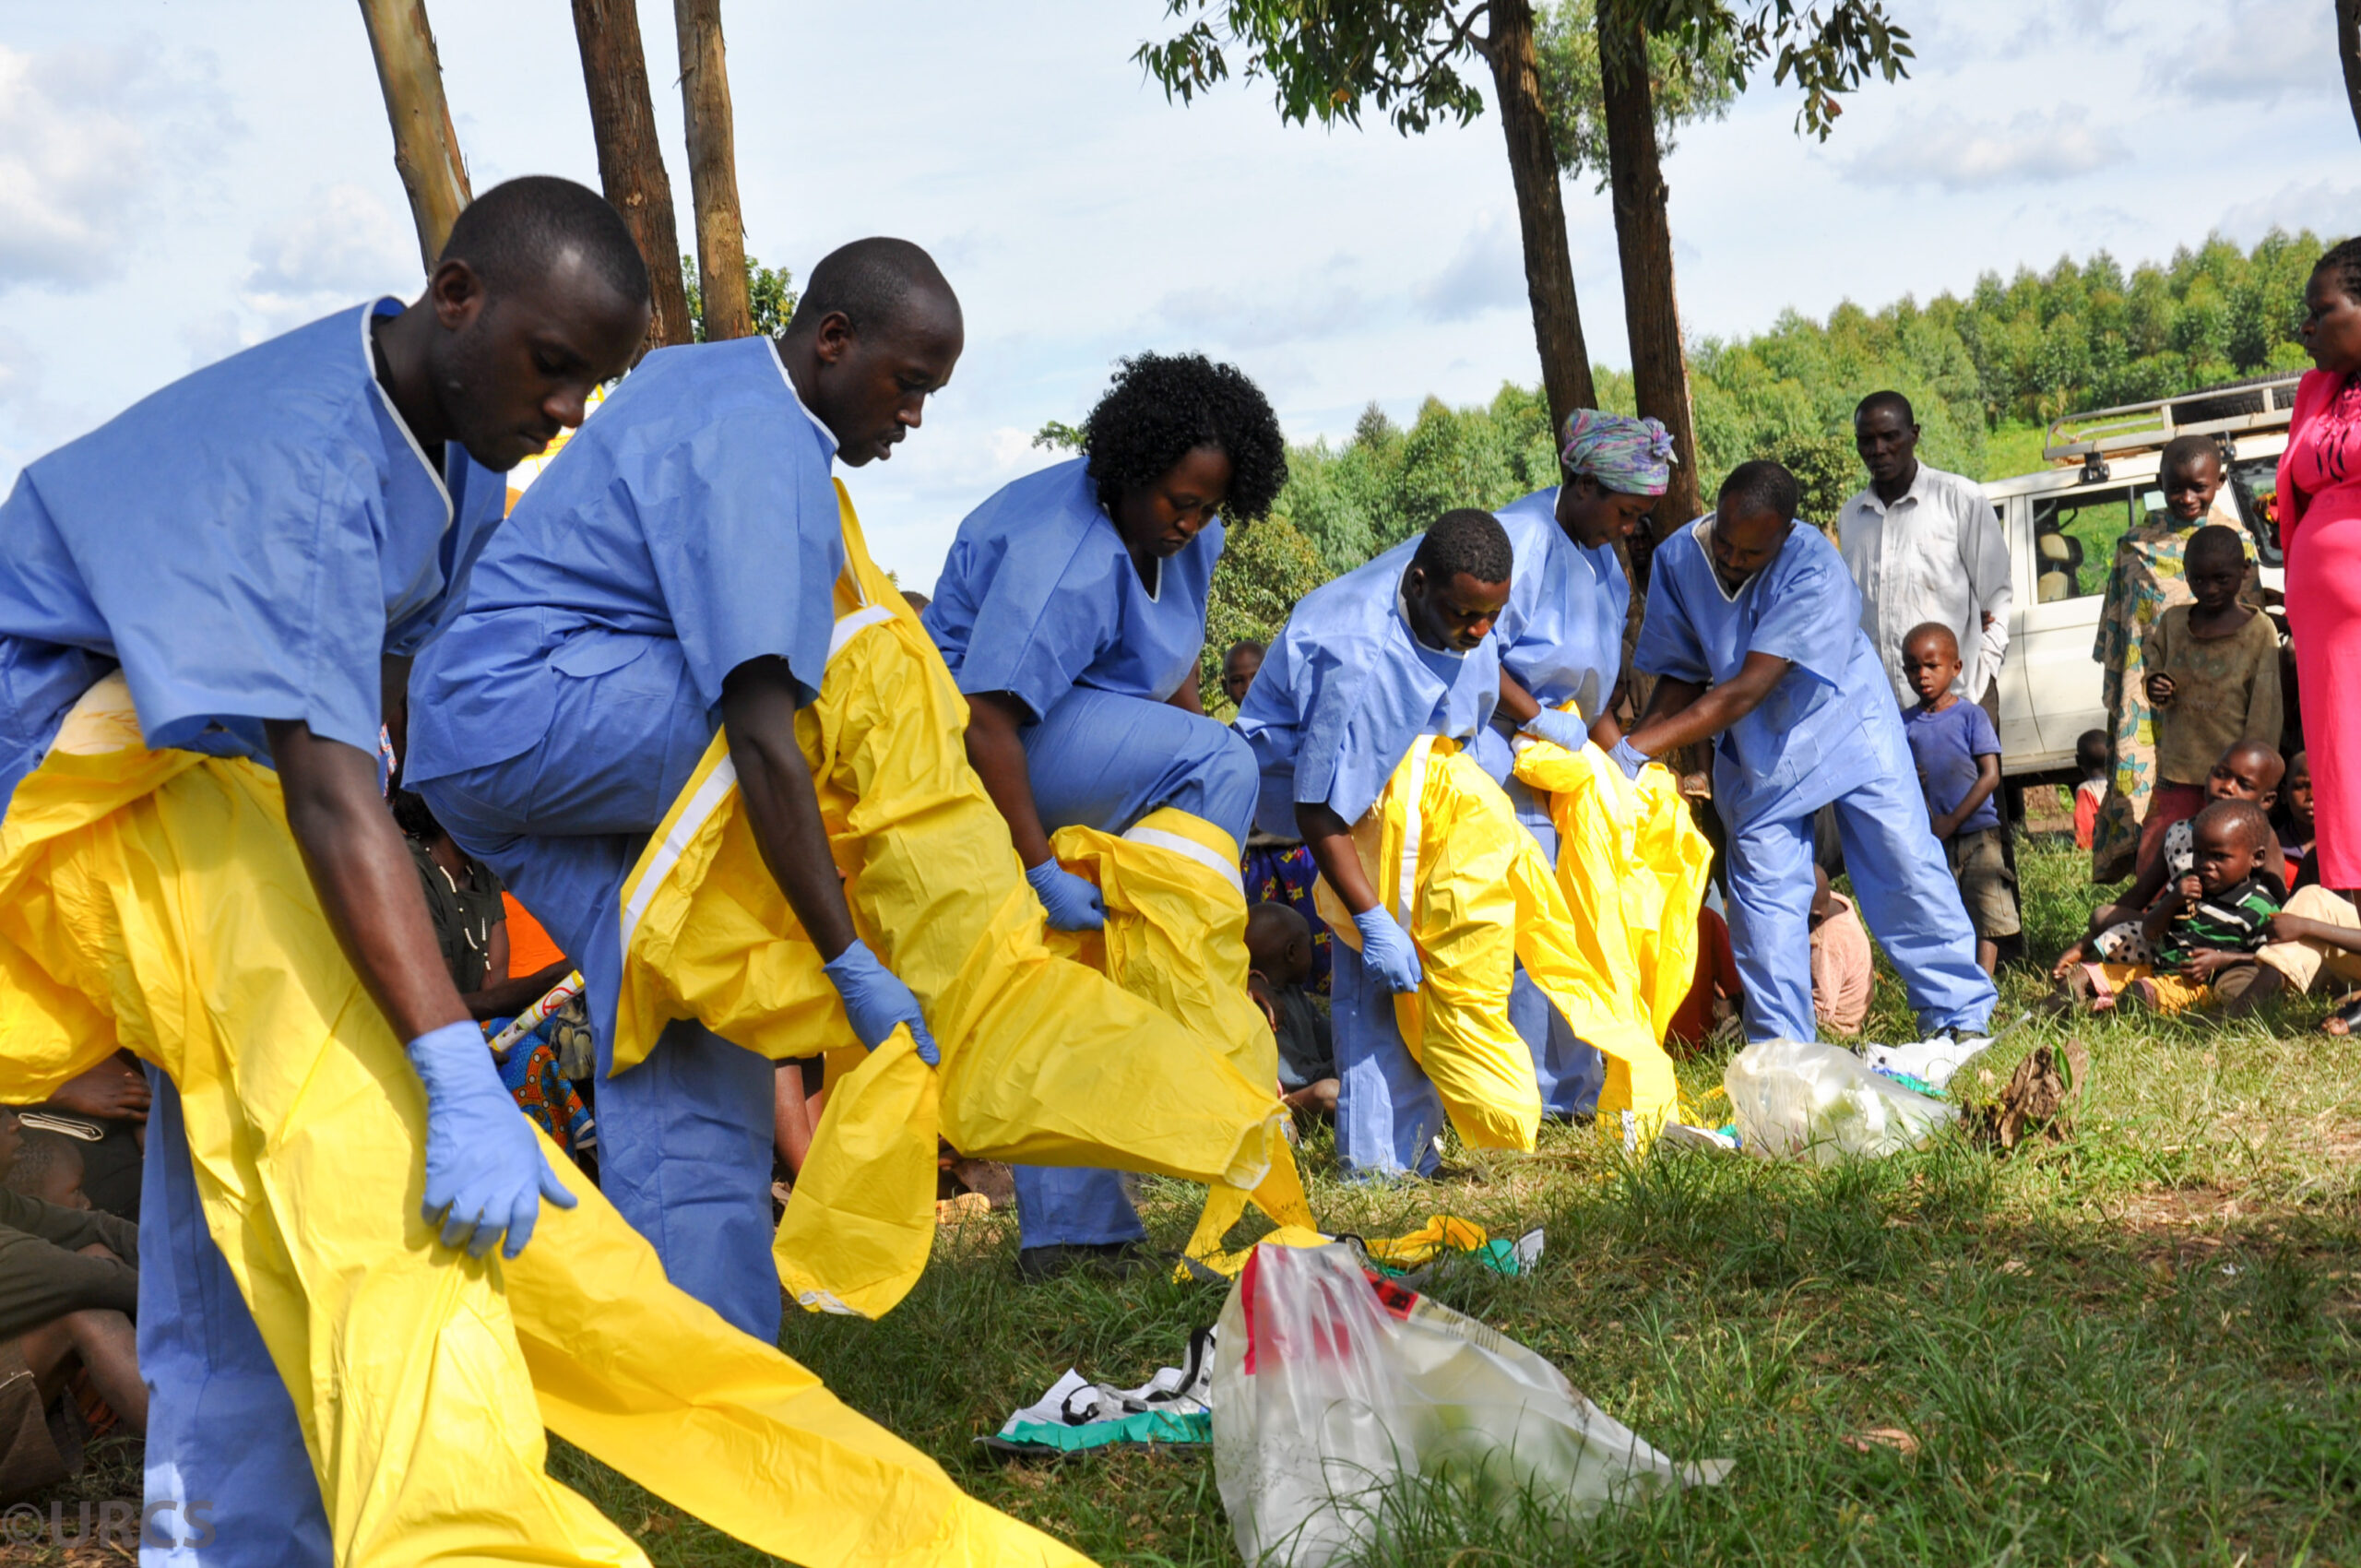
(2233,410)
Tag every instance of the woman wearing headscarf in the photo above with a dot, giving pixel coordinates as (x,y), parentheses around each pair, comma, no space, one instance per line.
(1560,639)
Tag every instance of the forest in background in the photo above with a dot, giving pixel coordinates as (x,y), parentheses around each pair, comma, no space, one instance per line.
(1985,374)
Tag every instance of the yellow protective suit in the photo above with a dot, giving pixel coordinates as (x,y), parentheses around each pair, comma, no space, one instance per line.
(1176,938)
(1632,866)
(157,900)
(1446,855)
(1044,1061)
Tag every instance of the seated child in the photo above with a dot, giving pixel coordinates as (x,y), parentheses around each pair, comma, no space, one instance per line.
(2294,819)
(1278,958)
(1715,995)
(2213,679)
(49,1167)
(2248,771)
(2091,761)
(1842,970)
(2207,928)
(1958,753)
(2315,932)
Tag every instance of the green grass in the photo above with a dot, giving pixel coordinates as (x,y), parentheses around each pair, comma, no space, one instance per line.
(2137,1347)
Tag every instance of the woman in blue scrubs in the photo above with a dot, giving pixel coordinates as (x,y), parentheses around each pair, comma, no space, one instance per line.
(1072,611)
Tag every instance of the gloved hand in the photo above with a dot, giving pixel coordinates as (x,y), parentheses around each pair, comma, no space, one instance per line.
(485,1172)
(875,1001)
(1630,758)
(1074,902)
(1387,948)
(1557,725)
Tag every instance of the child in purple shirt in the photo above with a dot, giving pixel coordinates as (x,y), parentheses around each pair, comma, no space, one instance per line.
(1958,753)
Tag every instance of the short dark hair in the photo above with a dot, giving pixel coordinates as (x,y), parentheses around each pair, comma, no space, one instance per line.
(1761,485)
(2247,817)
(1160,407)
(1886,399)
(870,283)
(1469,541)
(39,1151)
(1932,628)
(2213,540)
(1243,644)
(514,232)
(2091,745)
(2182,448)
(415,817)
(2344,259)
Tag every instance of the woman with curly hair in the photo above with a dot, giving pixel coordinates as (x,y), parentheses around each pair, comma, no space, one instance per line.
(1071,610)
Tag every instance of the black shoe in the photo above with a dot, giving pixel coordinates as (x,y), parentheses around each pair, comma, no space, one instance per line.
(1037,1263)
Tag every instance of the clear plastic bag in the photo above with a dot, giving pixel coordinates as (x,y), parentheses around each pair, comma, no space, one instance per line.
(1333,1386)
(1800,1099)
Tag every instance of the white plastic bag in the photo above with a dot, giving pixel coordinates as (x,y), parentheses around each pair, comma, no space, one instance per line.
(1797,1099)
(1332,1387)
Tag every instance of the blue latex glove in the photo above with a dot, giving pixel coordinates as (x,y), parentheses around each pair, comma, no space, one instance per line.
(1074,902)
(485,1172)
(1387,948)
(875,1001)
(1555,724)
(1630,758)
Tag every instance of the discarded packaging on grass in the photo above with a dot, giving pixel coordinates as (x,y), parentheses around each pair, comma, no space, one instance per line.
(1077,1414)
(1794,1099)
(1333,1386)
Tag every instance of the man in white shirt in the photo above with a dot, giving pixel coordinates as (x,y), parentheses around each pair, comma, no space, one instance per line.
(1924,545)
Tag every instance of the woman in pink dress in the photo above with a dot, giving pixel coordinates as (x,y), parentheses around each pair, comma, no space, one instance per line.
(2319,524)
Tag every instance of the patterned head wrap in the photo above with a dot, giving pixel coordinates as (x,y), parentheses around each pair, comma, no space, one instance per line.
(1634,457)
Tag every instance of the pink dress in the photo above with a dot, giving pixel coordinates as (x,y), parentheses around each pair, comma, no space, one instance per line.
(2319,524)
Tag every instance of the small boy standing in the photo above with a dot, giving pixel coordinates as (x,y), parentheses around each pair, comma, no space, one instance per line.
(2208,926)
(1958,753)
(2090,761)
(2213,680)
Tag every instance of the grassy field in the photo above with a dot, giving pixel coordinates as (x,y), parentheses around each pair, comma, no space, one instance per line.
(2137,1347)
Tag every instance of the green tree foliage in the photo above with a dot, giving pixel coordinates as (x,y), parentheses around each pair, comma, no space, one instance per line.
(1265,569)
(1683,87)
(770,297)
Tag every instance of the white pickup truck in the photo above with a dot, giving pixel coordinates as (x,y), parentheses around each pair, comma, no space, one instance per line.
(2062,524)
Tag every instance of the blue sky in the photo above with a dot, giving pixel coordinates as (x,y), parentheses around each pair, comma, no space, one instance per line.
(182,177)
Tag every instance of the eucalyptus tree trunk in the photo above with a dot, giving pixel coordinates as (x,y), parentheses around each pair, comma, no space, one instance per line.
(631,163)
(1541,212)
(426,148)
(713,170)
(2348,53)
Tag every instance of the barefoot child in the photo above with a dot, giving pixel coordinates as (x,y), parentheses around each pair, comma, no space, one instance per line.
(2207,928)
(1958,753)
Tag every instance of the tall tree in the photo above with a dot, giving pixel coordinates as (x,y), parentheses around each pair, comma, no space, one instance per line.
(426,148)
(713,170)
(631,163)
(1325,57)
(2348,53)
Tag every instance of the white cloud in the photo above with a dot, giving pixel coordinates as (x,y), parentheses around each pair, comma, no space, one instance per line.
(1949,149)
(1487,274)
(73,164)
(2327,208)
(340,245)
(1242,314)
(2257,52)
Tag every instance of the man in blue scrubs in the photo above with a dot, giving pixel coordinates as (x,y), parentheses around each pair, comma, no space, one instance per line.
(671,572)
(1753,630)
(1394,650)
(1560,640)
(1072,612)
(252,547)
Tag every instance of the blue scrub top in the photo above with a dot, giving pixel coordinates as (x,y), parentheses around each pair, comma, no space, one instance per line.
(1038,596)
(1562,632)
(1830,725)
(695,506)
(1347,687)
(248,544)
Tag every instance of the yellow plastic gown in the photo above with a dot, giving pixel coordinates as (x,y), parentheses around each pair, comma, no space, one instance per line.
(1446,854)
(1044,1061)
(157,900)
(1632,866)
(1176,938)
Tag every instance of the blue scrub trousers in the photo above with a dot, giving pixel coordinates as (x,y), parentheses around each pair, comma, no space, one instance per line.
(1102,760)
(1570,1069)
(1906,892)
(1388,1114)
(685,1137)
(224,1447)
